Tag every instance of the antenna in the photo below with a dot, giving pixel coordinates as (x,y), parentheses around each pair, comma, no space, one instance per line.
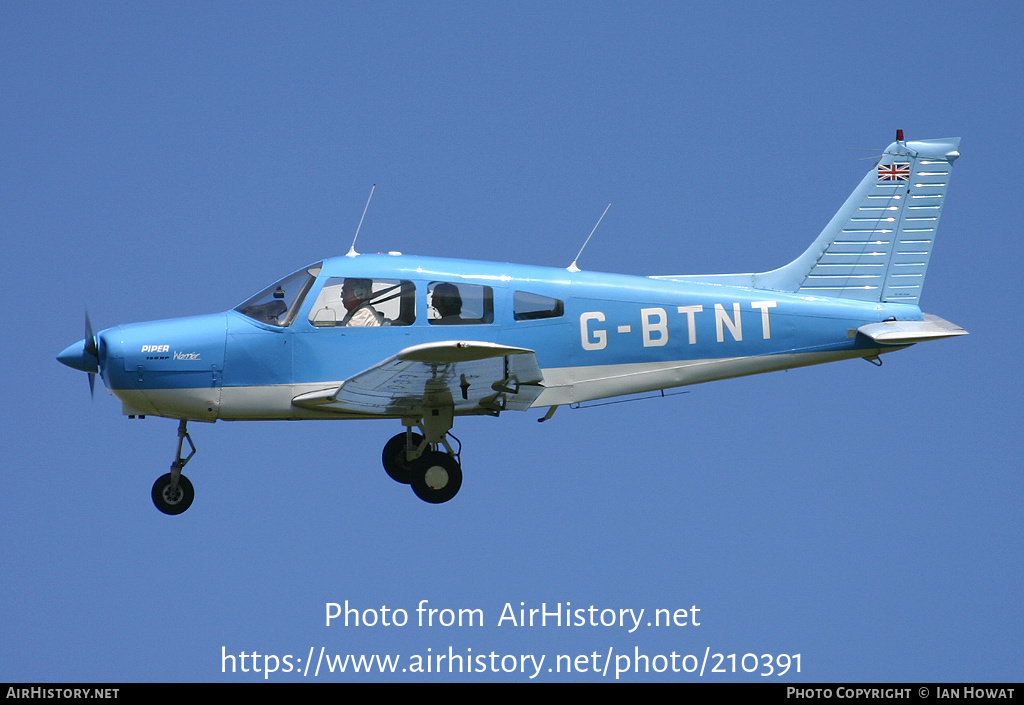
(572,267)
(352,250)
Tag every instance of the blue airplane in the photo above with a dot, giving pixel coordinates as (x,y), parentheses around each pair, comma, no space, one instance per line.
(425,339)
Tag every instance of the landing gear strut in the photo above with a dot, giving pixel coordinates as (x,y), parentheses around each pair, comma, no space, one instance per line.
(417,459)
(173,493)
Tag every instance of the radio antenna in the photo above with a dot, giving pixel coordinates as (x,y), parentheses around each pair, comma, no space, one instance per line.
(352,250)
(572,267)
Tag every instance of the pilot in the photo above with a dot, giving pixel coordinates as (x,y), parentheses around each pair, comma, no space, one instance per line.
(355,296)
(448,303)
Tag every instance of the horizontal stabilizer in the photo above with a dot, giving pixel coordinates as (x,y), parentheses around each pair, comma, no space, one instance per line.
(909,332)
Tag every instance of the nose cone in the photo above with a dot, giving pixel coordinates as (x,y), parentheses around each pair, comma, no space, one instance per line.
(77,357)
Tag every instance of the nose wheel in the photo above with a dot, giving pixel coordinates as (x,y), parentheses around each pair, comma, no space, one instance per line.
(172,498)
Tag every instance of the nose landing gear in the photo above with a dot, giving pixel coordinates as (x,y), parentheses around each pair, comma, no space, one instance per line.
(173,493)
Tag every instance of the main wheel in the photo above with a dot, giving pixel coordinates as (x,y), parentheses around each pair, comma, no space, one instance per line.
(395,464)
(173,500)
(436,477)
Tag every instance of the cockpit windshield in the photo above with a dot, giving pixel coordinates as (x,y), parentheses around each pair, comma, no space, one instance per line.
(278,303)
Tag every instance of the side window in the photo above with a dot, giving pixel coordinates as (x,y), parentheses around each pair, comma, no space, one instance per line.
(459,304)
(357,302)
(530,307)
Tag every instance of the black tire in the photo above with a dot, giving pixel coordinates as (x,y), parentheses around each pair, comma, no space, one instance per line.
(395,465)
(436,477)
(170,502)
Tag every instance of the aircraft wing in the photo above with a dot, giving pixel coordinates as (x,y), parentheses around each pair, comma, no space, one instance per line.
(471,376)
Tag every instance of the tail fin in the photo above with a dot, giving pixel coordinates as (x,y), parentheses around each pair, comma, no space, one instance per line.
(877,247)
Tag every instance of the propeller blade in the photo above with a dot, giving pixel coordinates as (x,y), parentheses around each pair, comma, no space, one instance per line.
(90,339)
(92,349)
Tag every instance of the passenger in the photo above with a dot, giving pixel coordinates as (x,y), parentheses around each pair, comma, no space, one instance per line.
(448,303)
(355,296)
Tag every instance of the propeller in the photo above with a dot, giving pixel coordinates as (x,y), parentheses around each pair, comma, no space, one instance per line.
(84,355)
(91,349)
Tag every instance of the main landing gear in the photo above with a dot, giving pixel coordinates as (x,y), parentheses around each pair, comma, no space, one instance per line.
(416,459)
(173,493)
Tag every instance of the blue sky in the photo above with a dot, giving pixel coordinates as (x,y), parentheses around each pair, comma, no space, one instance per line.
(167,160)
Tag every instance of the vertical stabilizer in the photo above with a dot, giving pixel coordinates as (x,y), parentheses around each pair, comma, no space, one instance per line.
(877,247)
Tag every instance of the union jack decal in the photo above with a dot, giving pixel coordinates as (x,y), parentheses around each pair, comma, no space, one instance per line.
(894,172)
